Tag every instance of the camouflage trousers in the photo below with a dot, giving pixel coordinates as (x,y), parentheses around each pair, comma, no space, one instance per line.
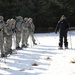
(8,43)
(1,42)
(32,37)
(25,34)
(18,38)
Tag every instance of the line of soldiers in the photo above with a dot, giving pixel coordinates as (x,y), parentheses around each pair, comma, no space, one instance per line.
(23,28)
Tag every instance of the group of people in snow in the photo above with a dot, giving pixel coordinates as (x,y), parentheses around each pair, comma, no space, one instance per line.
(21,27)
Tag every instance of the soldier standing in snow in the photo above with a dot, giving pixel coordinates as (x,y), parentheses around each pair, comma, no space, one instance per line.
(8,37)
(13,24)
(18,27)
(63,28)
(25,32)
(14,33)
(2,24)
(31,28)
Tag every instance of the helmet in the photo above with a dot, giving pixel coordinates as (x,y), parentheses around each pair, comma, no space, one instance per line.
(1,18)
(8,21)
(30,19)
(13,20)
(19,18)
(25,18)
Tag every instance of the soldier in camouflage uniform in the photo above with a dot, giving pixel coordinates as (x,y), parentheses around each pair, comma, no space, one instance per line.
(13,21)
(8,37)
(31,28)
(25,32)
(2,24)
(19,22)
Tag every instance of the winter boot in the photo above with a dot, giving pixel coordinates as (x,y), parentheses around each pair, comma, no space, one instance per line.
(3,55)
(10,51)
(60,47)
(66,44)
(35,43)
(66,47)
(18,48)
(24,46)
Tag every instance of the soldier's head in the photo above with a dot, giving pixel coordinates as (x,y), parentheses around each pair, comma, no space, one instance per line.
(9,22)
(1,18)
(13,21)
(62,17)
(19,18)
(30,20)
(26,19)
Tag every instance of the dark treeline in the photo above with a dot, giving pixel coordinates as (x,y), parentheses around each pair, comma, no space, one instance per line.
(45,13)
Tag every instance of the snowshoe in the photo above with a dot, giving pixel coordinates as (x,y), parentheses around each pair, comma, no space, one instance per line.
(18,48)
(66,47)
(35,43)
(60,47)
(3,55)
(24,46)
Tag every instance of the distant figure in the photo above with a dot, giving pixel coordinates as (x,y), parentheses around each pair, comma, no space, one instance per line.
(25,32)
(18,26)
(2,24)
(31,28)
(63,27)
(8,37)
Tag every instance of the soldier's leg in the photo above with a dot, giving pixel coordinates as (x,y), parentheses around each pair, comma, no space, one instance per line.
(18,39)
(6,45)
(60,40)
(10,44)
(33,39)
(27,36)
(23,38)
(1,45)
(65,40)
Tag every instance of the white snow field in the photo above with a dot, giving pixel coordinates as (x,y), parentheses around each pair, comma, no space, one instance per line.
(42,59)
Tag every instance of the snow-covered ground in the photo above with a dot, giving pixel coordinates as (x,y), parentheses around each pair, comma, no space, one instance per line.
(42,59)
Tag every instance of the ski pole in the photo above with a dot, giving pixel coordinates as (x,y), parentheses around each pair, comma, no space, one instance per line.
(37,39)
(31,41)
(70,39)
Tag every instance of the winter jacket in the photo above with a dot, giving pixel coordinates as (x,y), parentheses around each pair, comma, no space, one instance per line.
(62,26)
(31,27)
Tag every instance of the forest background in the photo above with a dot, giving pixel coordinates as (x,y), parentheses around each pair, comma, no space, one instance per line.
(45,13)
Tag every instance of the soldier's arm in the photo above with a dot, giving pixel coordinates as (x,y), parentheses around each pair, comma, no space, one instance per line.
(57,27)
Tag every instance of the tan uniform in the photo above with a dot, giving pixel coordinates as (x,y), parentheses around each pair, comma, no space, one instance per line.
(18,31)
(31,32)
(25,33)
(31,28)
(8,38)
(1,37)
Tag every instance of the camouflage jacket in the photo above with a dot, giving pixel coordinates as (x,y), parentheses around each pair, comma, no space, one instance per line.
(18,26)
(8,30)
(25,26)
(31,27)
